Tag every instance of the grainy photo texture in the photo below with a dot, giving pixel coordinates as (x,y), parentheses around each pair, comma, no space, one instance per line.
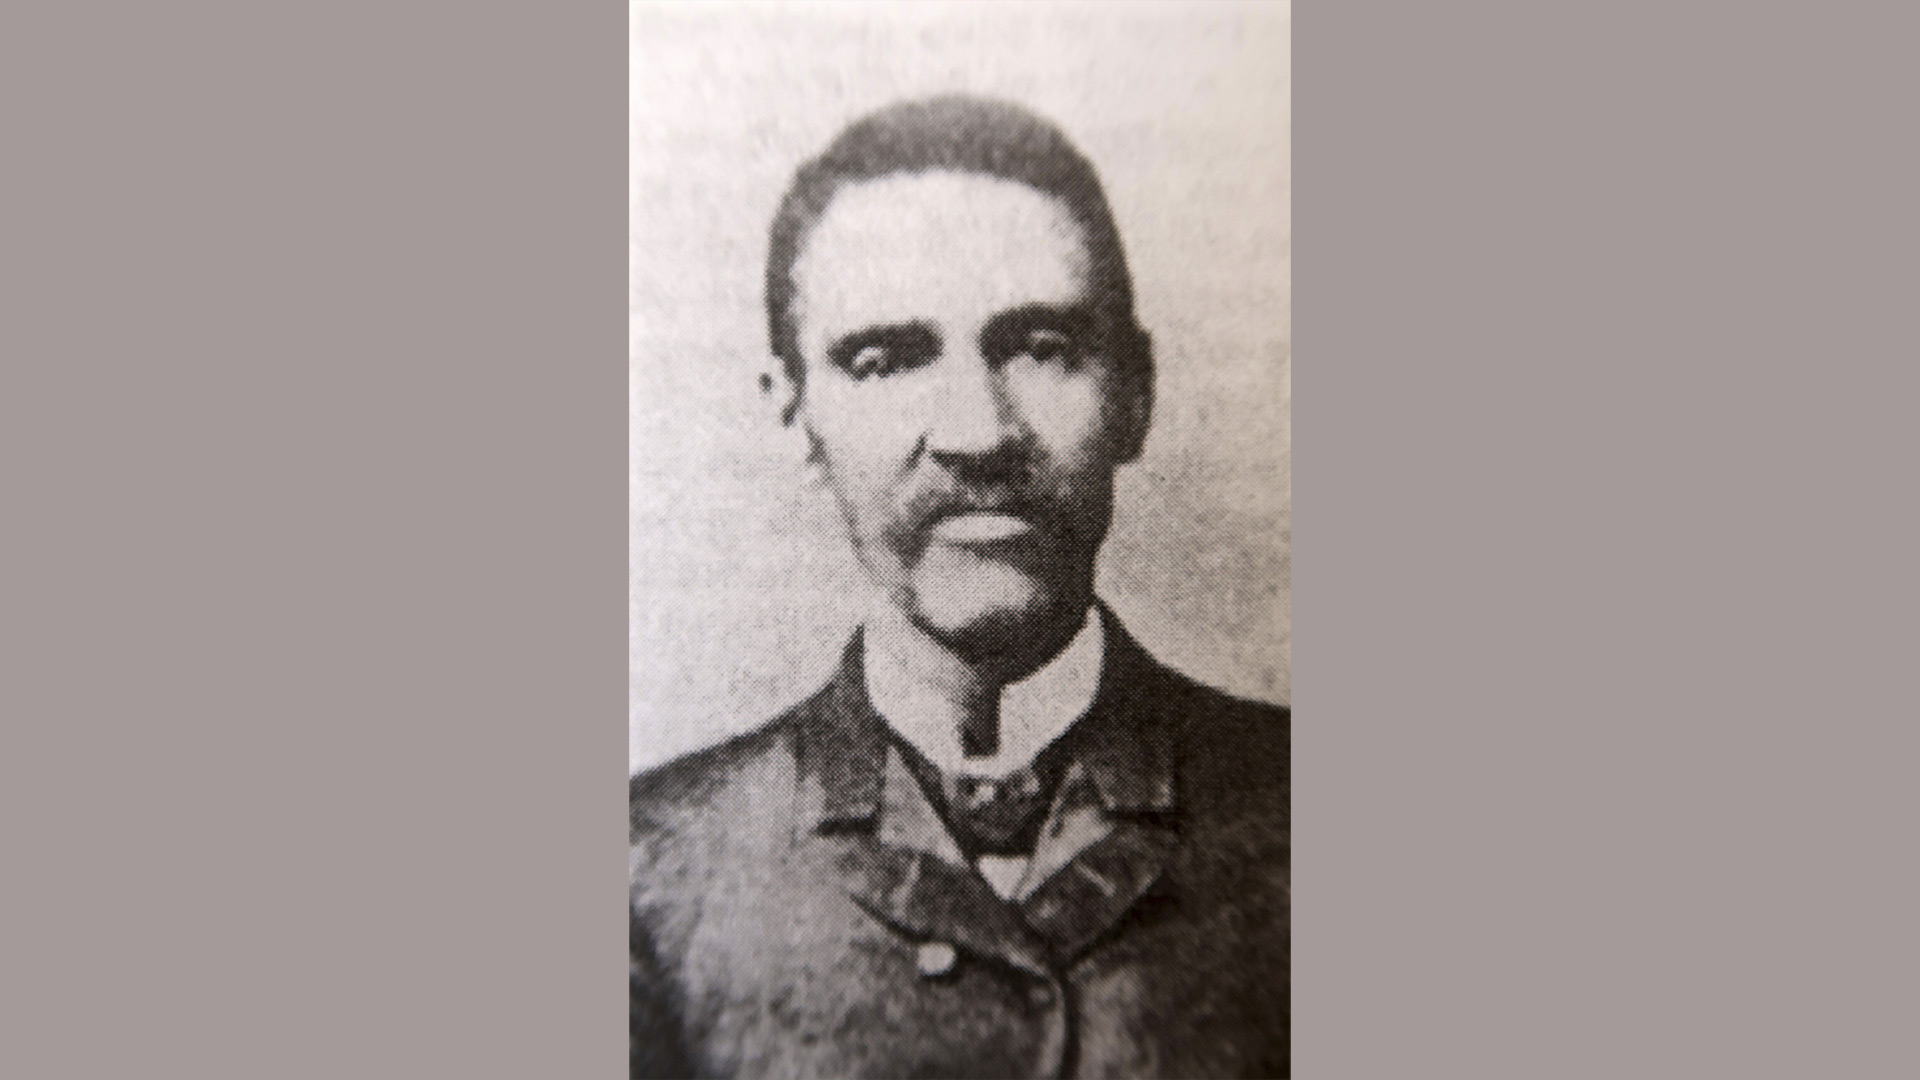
(960,541)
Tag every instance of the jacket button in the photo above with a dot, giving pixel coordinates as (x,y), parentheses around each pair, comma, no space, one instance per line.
(935,958)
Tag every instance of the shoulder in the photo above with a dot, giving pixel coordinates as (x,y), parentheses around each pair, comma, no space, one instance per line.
(1236,741)
(1236,730)
(709,781)
(663,794)
(723,789)
(1233,739)
(692,818)
(1233,779)
(1234,753)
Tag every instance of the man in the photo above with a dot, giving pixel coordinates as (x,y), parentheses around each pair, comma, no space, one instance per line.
(1003,840)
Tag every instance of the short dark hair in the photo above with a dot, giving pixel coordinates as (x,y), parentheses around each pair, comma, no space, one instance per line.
(953,133)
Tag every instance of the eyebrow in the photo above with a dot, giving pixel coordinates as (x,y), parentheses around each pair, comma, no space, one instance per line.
(1074,316)
(1079,319)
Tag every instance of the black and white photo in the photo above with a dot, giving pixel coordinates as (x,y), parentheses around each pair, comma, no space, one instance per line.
(980,824)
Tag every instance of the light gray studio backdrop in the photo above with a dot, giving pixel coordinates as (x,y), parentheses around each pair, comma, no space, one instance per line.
(742,587)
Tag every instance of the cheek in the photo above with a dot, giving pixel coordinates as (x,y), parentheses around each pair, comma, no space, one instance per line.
(865,436)
(1069,413)
(860,426)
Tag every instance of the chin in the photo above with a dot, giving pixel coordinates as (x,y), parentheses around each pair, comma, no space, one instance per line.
(994,613)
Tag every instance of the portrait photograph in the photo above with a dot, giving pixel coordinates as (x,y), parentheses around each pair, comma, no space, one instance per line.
(959,540)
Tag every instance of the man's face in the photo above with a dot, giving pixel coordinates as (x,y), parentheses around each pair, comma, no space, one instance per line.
(963,400)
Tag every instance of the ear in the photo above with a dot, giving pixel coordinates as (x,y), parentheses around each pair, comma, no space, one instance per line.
(780,391)
(1136,410)
(785,395)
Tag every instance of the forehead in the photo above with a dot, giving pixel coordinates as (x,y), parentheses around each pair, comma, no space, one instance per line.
(946,248)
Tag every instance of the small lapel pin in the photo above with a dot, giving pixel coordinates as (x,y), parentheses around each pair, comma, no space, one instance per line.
(936,958)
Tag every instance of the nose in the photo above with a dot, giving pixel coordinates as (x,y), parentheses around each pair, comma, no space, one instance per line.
(973,415)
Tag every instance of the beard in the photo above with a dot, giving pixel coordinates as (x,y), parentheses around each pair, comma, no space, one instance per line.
(989,613)
(1002,607)
(1002,601)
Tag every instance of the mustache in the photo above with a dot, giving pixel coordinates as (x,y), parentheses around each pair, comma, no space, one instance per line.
(947,497)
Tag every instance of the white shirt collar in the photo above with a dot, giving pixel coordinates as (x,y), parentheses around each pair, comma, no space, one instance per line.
(1033,712)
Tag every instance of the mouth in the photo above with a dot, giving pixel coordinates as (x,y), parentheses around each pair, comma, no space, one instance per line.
(977,528)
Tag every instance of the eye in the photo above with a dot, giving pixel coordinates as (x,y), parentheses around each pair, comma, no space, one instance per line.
(885,351)
(1049,336)
(875,359)
(1049,347)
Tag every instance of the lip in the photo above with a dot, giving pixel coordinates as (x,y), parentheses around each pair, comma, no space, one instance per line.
(980,527)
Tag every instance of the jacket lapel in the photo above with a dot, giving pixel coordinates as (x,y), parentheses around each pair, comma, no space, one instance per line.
(902,866)
(1079,903)
(1113,826)
(911,874)
(1108,838)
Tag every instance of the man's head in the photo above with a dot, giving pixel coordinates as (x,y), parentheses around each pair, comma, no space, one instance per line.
(948,298)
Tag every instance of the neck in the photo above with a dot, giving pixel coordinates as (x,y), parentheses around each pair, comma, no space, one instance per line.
(965,680)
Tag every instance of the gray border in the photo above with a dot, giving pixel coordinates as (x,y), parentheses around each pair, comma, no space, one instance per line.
(320,540)
(313,489)
(1604,731)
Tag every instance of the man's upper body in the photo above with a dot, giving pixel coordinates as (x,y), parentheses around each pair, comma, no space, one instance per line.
(1003,841)
(801,909)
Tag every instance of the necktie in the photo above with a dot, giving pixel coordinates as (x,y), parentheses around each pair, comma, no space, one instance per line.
(996,814)
(993,813)
(980,730)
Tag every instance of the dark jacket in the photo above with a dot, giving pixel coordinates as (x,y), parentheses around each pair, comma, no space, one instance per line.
(799,911)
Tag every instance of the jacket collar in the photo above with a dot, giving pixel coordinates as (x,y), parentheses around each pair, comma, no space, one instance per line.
(1105,844)
(1126,741)
(841,749)
(1034,711)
